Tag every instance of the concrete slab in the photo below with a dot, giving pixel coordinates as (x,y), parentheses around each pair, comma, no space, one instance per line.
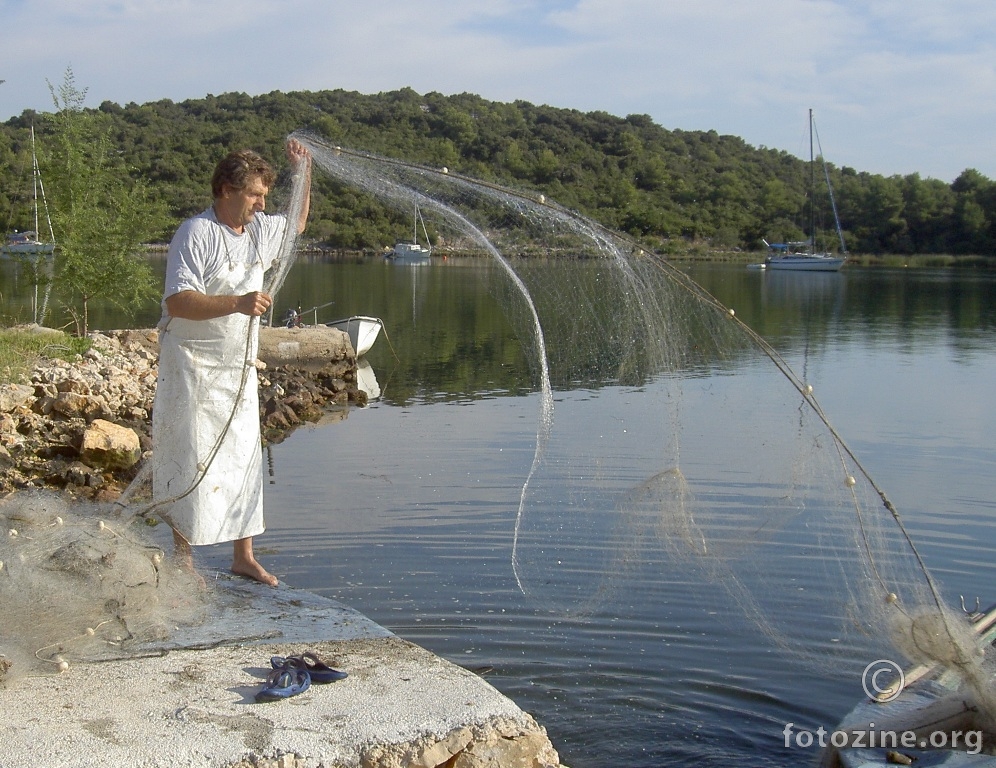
(188,700)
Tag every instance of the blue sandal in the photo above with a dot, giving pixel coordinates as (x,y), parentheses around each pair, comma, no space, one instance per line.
(318,670)
(283,683)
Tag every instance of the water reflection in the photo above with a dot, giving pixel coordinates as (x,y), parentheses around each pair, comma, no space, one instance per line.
(406,509)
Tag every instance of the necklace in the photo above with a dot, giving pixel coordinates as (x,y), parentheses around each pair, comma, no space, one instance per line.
(253,242)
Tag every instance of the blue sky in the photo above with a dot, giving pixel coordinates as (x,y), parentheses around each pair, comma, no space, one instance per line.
(897,86)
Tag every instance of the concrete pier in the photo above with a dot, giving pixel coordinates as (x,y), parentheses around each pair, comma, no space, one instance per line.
(188,697)
(188,700)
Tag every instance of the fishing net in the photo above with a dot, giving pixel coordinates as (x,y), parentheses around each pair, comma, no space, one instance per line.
(673,434)
(77,583)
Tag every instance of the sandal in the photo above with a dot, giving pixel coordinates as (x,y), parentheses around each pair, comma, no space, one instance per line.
(318,670)
(283,683)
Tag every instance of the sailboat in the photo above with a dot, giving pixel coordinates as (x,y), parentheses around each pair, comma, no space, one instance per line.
(803,255)
(28,243)
(413,252)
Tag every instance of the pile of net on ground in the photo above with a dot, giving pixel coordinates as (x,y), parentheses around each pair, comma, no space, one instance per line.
(79,583)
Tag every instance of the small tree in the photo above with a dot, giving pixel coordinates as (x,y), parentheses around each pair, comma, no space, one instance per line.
(102,215)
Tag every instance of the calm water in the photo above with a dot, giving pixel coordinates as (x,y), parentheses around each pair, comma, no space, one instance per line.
(405,510)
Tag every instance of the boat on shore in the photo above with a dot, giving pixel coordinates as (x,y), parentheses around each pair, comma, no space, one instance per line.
(804,255)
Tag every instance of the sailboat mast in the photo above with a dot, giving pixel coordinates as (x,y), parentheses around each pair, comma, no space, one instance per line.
(812,188)
(38,186)
(34,178)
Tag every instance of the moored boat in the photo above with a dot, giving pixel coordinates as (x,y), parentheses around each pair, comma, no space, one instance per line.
(412,252)
(923,716)
(782,256)
(362,331)
(28,243)
(804,255)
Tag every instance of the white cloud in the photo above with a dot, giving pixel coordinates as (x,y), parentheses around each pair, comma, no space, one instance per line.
(898,85)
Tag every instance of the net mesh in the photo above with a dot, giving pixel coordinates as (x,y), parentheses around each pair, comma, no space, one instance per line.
(670,431)
(77,583)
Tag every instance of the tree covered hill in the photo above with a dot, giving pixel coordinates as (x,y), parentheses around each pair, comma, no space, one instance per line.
(664,187)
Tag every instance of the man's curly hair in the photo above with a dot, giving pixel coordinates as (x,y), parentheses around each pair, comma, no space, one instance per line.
(238,168)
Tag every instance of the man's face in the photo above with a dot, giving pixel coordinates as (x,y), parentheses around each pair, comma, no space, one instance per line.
(242,204)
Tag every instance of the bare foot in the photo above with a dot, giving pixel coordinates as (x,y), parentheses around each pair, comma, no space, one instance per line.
(244,564)
(253,570)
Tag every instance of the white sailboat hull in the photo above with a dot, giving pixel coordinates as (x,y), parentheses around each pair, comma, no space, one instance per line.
(27,249)
(410,253)
(806,263)
(786,256)
(28,243)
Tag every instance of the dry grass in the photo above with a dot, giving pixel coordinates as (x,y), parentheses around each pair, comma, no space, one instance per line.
(21,347)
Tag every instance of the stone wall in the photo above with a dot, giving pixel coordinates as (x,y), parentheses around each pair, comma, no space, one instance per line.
(85,425)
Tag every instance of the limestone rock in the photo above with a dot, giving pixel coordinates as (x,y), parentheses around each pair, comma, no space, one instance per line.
(14,396)
(75,404)
(110,446)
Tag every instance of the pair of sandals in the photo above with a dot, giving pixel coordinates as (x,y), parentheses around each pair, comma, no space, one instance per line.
(292,675)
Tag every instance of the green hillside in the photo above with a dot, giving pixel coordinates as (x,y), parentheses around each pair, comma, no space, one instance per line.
(668,188)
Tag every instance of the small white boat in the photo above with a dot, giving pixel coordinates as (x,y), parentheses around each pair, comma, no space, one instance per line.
(410,253)
(362,331)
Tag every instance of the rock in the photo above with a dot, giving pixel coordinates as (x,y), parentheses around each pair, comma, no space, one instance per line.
(312,347)
(110,446)
(14,396)
(500,743)
(74,404)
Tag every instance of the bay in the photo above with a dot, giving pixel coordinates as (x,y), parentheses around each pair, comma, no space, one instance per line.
(406,509)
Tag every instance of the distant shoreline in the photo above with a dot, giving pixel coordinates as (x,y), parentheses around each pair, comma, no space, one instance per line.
(694,254)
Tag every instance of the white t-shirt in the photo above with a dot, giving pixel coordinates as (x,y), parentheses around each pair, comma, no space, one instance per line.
(202,247)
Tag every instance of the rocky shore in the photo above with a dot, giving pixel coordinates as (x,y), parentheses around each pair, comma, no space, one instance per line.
(85,426)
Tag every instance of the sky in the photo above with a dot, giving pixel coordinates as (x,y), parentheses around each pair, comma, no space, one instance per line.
(896,86)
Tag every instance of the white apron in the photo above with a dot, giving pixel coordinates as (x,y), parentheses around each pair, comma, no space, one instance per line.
(206,378)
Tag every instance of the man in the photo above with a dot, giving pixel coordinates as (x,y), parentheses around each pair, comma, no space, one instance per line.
(207,468)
